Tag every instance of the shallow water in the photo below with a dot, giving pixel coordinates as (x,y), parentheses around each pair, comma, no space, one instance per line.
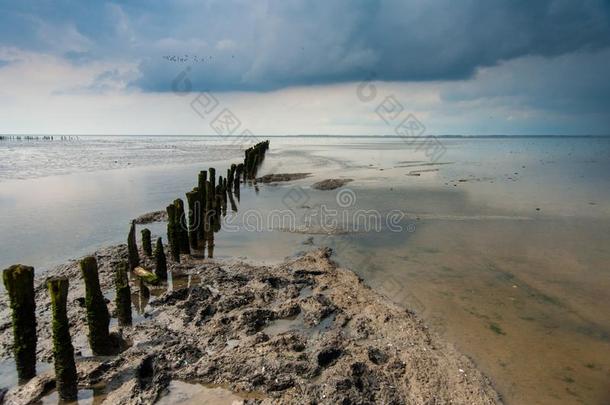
(502,245)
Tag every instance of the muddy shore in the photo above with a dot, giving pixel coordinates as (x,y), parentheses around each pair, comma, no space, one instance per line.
(303,331)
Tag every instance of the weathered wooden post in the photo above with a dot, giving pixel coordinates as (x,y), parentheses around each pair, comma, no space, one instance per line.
(211,245)
(160,261)
(66,379)
(254,168)
(98,317)
(192,197)
(231,176)
(19,283)
(146,242)
(172,236)
(212,172)
(218,212)
(201,185)
(182,227)
(232,200)
(123,294)
(132,247)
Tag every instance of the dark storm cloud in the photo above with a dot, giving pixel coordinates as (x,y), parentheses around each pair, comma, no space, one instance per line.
(265,45)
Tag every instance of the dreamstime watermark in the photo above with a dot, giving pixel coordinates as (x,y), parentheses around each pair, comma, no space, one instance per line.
(404,124)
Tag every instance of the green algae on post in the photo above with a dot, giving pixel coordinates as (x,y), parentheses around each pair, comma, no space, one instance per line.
(66,379)
(160,261)
(172,235)
(146,242)
(181,227)
(202,187)
(123,295)
(98,317)
(132,247)
(19,283)
(192,198)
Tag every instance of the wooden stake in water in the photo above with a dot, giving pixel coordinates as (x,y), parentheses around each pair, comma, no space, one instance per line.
(182,227)
(172,236)
(66,379)
(201,186)
(132,247)
(19,283)
(192,198)
(146,242)
(212,172)
(160,261)
(98,317)
(123,294)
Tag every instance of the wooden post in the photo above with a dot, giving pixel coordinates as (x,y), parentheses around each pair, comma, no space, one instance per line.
(212,172)
(66,379)
(192,198)
(211,244)
(132,247)
(182,228)
(123,294)
(201,185)
(232,200)
(218,213)
(146,243)
(98,317)
(19,283)
(160,261)
(172,236)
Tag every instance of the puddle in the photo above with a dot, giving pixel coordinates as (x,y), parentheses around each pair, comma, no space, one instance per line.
(8,372)
(142,294)
(296,323)
(305,292)
(194,394)
(178,281)
(95,395)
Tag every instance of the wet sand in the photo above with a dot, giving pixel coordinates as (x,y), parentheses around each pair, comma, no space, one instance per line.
(303,331)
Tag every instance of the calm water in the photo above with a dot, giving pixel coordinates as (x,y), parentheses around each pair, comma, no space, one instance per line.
(502,245)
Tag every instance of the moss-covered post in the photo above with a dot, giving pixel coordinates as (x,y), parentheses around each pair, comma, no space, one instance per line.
(238,172)
(19,283)
(232,200)
(212,172)
(218,212)
(146,242)
(160,261)
(63,352)
(123,294)
(172,236)
(246,163)
(211,244)
(192,198)
(182,230)
(230,174)
(201,186)
(98,317)
(132,247)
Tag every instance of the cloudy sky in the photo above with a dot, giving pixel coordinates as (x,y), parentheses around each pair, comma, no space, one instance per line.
(297,66)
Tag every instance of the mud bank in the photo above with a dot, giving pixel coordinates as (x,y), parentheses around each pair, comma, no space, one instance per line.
(304,331)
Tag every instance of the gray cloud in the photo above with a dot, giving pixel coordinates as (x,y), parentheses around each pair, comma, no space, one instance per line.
(301,42)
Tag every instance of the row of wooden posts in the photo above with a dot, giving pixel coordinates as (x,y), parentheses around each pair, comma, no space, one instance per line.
(206,201)
(36,137)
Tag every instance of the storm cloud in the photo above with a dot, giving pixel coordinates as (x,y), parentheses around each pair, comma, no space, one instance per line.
(267,45)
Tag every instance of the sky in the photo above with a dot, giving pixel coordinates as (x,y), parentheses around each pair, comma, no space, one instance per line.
(474,67)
